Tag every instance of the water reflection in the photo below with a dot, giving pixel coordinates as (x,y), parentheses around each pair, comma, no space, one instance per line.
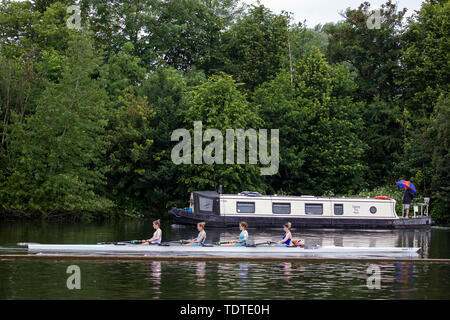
(200,273)
(224,280)
(243,271)
(156,272)
(404,279)
(287,268)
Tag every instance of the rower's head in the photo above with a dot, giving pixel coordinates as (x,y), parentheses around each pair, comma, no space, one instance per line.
(287,226)
(156,224)
(243,225)
(201,226)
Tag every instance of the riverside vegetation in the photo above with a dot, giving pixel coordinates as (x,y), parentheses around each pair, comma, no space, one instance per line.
(87,115)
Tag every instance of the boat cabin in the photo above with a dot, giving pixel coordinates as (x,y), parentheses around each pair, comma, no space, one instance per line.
(255,204)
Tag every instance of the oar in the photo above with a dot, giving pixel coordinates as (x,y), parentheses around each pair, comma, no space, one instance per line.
(186,241)
(225,242)
(175,241)
(234,241)
(183,241)
(258,244)
(124,242)
(261,243)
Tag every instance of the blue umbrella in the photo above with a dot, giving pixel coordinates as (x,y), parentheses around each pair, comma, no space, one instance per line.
(403,183)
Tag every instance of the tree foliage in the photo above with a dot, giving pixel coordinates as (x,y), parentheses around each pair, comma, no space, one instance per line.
(255,46)
(54,155)
(218,104)
(319,124)
(87,116)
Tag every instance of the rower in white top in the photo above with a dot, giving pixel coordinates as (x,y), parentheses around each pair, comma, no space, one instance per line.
(157,235)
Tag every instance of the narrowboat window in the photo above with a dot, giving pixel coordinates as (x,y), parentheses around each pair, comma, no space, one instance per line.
(245,207)
(373,210)
(338,209)
(281,208)
(205,204)
(314,208)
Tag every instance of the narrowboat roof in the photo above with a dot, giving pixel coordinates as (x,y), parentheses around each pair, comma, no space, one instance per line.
(214,194)
(207,193)
(302,197)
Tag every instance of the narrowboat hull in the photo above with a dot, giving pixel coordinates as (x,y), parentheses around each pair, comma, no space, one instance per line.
(184,217)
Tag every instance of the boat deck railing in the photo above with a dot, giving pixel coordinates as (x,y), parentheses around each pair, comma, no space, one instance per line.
(424,206)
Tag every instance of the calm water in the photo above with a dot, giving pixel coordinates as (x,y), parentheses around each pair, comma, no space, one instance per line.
(147,279)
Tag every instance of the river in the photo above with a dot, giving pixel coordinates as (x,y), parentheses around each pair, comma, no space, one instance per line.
(195,279)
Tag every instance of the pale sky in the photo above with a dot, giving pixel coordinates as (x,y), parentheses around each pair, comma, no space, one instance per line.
(323,11)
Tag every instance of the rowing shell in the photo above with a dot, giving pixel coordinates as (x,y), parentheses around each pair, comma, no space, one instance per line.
(222,250)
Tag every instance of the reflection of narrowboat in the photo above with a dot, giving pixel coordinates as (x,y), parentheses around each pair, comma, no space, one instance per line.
(225,210)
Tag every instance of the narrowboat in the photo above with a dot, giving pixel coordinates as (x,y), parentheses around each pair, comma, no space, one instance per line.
(267,211)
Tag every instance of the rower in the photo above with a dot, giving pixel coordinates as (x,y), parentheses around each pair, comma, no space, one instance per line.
(286,241)
(201,236)
(157,235)
(243,236)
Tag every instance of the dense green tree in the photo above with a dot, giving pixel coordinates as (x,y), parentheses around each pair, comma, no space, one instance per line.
(440,126)
(426,58)
(29,35)
(165,90)
(319,122)
(18,83)
(303,40)
(186,33)
(17,20)
(218,104)
(425,74)
(54,155)
(256,46)
(87,116)
(116,22)
(383,131)
(42,5)
(130,138)
(123,70)
(373,52)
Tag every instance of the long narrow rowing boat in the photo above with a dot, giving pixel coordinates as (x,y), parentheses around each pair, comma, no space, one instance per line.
(263,250)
